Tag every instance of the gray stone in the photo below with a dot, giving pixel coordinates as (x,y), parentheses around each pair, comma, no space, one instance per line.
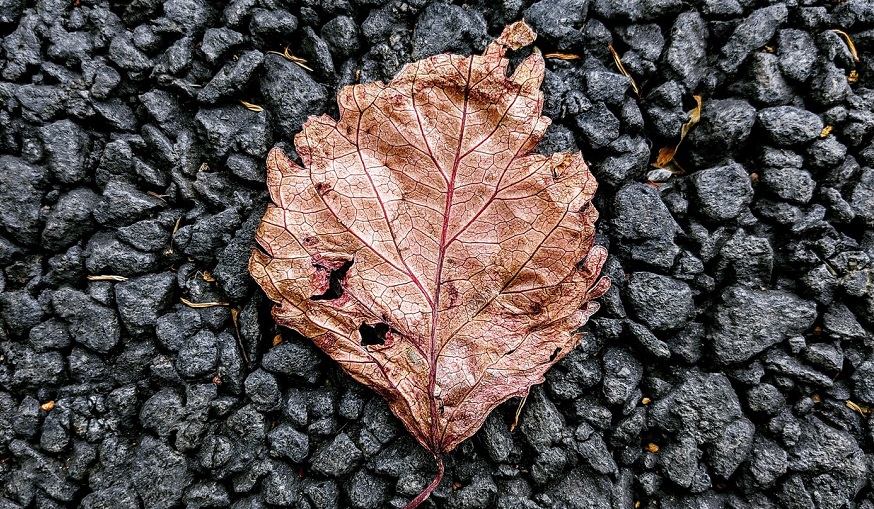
(788,125)
(748,321)
(660,302)
(722,193)
(89,323)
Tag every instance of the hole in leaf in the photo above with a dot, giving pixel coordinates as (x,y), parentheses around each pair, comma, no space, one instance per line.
(335,277)
(554,354)
(373,334)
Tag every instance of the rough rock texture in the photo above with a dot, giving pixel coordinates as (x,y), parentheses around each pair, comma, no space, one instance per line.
(717,373)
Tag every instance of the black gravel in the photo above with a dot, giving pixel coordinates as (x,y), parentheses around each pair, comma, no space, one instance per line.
(731,364)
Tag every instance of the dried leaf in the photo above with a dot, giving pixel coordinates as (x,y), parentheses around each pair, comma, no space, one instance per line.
(48,406)
(826,131)
(621,68)
(423,246)
(665,159)
(861,410)
(251,107)
(853,76)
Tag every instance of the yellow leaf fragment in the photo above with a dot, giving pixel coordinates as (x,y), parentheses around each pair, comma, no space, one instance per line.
(849,41)
(653,448)
(645,401)
(826,131)
(861,410)
(199,305)
(665,159)
(252,107)
(853,77)
(47,406)
(107,278)
(623,70)
(207,276)
(562,56)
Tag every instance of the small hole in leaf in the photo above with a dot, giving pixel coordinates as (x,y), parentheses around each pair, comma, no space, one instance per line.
(373,334)
(554,354)
(336,276)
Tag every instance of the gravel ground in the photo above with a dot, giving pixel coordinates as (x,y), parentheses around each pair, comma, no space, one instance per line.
(732,362)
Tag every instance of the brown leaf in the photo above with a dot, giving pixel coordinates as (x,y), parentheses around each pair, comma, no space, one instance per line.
(424,247)
(666,155)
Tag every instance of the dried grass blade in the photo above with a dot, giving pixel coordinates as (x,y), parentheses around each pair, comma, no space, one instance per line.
(199,305)
(119,279)
(622,69)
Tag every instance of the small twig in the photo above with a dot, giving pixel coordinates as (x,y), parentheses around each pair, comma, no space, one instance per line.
(518,412)
(291,58)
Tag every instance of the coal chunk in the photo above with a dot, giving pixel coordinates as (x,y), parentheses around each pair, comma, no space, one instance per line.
(788,125)
(20,199)
(722,193)
(796,52)
(141,300)
(341,34)
(559,21)
(754,32)
(790,184)
(70,218)
(20,311)
(748,321)
(445,28)
(660,302)
(122,203)
(645,226)
(198,355)
(65,144)
(89,323)
(724,128)
(336,457)
(293,358)
(232,78)
(160,474)
(622,375)
(263,389)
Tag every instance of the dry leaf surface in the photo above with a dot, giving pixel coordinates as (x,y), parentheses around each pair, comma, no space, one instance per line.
(425,249)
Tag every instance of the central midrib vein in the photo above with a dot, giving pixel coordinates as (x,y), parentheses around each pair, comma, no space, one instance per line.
(450,188)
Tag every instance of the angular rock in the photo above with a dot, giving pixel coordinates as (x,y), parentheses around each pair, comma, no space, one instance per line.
(722,193)
(748,321)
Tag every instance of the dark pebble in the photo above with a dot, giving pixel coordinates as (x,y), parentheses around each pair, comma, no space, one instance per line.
(89,323)
(141,300)
(748,321)
(722,193)
(20,198)
(70,218)
(336,457)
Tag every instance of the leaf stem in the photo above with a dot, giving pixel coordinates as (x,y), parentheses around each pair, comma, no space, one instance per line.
(425,494)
